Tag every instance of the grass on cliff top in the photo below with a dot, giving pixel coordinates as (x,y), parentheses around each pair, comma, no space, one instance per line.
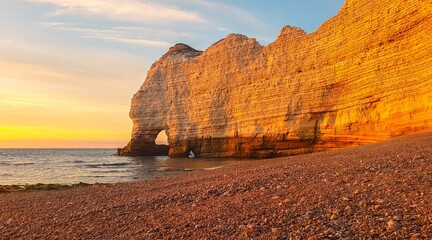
(44,187)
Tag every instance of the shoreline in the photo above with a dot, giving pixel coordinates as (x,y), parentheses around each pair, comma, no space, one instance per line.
(381,190)
(30,187)
(12,188)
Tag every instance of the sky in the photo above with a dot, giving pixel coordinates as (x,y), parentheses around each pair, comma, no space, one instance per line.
(69,68)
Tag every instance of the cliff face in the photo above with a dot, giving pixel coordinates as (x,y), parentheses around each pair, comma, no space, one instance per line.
(363,76)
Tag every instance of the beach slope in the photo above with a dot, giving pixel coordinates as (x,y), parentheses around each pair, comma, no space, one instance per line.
(382,190)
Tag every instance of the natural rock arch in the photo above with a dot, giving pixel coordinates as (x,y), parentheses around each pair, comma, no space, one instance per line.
(162,138)
(151,105)
(363,76)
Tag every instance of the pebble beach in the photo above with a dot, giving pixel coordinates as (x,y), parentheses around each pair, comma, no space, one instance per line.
(380,191)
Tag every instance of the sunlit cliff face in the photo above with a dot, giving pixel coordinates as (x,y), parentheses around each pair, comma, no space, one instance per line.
(346,84)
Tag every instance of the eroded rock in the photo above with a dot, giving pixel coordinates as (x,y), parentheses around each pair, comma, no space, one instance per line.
(363,76)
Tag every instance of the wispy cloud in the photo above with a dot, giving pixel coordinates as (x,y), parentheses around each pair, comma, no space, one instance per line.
(224,30)
(143,42)
(65,69)
(224,18)
(128,10)
(159,31)
(228,11)
(78,90)
(155,23)
(116,34)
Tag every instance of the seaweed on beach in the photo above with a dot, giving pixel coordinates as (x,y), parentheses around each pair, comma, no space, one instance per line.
(45,187)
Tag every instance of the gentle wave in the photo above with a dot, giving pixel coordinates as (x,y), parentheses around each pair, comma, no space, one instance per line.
(66,166)
(23,164)
(102,165)
(213,168)
(110,171)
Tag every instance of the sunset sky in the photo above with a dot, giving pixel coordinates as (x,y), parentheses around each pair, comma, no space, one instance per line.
(68,68)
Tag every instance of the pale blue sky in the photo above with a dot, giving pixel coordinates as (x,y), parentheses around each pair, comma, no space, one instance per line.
(63,58)
(140,27)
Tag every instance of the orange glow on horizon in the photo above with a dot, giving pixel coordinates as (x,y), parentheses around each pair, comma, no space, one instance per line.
(62,144)
(46,106)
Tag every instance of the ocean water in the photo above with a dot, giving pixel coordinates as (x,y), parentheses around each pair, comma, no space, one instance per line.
(69,166)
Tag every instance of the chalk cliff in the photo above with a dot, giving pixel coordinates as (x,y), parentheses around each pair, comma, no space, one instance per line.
(365,75)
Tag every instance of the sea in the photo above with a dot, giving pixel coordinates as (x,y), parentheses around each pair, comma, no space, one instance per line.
(71,166)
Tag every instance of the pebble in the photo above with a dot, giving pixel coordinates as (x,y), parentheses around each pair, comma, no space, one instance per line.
(275,230)
(392,225)
(9,221)
(329,231)
(416,236)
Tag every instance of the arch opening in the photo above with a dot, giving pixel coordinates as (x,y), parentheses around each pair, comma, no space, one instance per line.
(162,138)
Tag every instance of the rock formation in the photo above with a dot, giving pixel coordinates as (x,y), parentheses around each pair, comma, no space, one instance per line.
(365,75)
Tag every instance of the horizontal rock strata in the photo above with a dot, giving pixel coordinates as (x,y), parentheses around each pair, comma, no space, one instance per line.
(365,75)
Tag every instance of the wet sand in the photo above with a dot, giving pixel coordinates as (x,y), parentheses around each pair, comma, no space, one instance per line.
(381,191)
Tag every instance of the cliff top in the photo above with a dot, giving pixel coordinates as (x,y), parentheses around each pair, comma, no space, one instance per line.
(290,30)
(180,48)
